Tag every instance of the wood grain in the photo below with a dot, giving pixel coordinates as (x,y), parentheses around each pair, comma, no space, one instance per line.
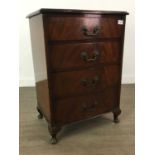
(70,55)
(70,83)
(71,28)
(77,108)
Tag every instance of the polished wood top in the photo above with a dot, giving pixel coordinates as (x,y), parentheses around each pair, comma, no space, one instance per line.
(71,11)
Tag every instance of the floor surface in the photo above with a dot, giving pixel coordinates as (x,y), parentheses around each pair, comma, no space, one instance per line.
(98,136)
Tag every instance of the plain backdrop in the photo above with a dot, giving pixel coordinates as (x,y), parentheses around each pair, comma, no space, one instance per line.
(145,62)
(27,6)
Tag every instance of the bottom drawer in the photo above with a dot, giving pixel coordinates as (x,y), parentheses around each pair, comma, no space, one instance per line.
(83,107)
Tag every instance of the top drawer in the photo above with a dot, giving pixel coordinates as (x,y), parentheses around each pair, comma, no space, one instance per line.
(81,28)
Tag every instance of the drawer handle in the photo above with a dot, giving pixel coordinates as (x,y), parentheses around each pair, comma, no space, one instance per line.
(88,33)
(85,57)
(89,107)
(89,82)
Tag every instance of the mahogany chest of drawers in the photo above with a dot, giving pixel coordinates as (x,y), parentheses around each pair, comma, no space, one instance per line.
(77,59)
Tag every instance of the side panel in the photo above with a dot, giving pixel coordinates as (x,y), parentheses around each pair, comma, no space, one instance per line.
(40,67)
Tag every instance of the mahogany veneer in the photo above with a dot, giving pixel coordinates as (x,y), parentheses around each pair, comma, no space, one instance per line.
(77,57)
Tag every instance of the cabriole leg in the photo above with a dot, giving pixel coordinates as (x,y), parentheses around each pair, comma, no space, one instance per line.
(40,115)
(116,113)
(53,130)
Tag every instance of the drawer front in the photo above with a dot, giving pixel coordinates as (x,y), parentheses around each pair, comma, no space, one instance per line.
(78,108)
(65,84)
(78,28)
(84,55)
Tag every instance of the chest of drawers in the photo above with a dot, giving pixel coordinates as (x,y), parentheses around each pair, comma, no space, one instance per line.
(77,59)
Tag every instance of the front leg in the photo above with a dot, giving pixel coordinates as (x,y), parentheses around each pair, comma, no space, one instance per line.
(53,130)
(116,113)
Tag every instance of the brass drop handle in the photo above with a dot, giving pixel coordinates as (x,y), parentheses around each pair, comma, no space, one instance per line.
(88,33)
(89,107)
(90,81)
(85,57)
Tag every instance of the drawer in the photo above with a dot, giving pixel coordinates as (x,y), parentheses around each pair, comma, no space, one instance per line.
(79,55)
(84,81)
(71,28)
(83,107)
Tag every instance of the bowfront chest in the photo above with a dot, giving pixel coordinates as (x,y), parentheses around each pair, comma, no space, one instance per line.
(77,58)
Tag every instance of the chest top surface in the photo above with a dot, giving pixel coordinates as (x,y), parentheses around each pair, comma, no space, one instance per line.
(73,11)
